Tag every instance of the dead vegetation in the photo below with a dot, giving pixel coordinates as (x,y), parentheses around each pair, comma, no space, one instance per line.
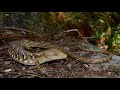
(67,68)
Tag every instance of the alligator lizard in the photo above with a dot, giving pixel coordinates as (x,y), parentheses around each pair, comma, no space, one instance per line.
(17,52)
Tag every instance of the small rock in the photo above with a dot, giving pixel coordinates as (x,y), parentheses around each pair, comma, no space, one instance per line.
(85,65)
(115,57)
(109,73)
(66,48)
(23,68)
(69,65)
(7,70)
(44,71)
(7,62)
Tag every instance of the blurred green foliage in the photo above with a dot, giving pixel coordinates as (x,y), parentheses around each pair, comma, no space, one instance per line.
(103,24)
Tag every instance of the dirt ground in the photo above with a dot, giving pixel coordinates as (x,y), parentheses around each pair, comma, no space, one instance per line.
(66,68)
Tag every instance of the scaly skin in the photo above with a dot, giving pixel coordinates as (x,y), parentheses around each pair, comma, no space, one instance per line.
(17,52)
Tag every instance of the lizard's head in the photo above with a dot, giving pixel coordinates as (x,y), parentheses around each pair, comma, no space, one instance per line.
(51,55)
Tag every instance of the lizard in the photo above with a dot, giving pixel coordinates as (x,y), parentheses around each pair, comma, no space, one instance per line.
(17,52)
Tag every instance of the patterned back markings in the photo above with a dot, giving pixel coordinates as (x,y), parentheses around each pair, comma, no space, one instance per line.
(18,53)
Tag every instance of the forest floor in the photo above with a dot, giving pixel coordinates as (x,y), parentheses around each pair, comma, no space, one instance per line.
(66,68)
